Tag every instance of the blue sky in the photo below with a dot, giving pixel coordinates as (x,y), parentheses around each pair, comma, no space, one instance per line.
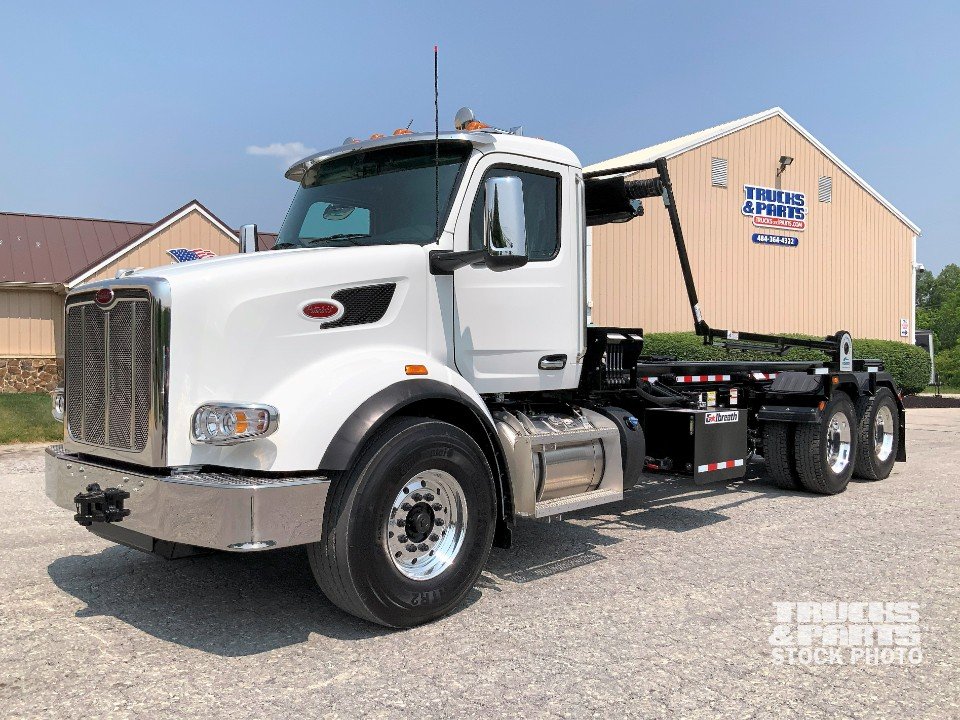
(128,110)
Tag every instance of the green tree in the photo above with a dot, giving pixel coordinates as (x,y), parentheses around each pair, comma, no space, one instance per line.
(925,282)
(948,367)
(938,305)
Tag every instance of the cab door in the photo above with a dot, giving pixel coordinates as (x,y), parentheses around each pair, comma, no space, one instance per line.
(520,329)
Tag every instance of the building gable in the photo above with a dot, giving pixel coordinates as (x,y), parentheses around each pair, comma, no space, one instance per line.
(194,229)
(679,146)
(817,287)
(169,230)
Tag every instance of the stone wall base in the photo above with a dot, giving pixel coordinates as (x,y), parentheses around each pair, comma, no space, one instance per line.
(30,375)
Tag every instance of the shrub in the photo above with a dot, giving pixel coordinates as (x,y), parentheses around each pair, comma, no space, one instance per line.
(948,367)
(909,364)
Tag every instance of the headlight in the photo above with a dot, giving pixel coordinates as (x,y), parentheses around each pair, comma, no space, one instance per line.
(231,423)
(58,402)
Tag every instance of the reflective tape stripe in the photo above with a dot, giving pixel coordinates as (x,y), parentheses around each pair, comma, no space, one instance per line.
(702,378)
(764,376)
(720,465)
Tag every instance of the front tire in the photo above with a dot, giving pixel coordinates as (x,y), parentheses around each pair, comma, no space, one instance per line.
(825,451)
(408,528)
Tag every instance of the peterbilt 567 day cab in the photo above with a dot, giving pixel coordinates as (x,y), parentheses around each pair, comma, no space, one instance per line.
(410,369)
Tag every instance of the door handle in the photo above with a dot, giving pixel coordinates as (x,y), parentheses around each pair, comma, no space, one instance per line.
(552,362)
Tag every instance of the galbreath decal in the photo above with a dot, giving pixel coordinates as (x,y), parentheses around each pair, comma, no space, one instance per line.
(721,417)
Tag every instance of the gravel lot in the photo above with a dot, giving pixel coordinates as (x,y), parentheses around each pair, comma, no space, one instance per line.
(661,605)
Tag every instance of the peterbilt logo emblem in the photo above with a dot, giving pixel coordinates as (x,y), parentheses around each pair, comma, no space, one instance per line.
(324,311)
(104,296)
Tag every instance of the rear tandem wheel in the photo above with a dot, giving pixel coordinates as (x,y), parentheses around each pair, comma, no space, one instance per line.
(825,451)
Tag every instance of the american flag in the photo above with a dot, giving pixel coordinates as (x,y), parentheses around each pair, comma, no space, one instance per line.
(184,255)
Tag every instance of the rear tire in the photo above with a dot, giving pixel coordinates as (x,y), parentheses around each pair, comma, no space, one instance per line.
(778,451)
(826,451)
(363,562)
(878,435)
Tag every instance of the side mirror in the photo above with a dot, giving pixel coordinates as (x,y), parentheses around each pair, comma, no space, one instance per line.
(504,223)
(248,239)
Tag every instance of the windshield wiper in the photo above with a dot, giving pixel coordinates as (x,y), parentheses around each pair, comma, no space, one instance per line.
(349,237)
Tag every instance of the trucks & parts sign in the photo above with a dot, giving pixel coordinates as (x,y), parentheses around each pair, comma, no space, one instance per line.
(771,208)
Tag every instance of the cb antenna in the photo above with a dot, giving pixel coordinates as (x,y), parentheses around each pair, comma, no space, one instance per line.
(436,139)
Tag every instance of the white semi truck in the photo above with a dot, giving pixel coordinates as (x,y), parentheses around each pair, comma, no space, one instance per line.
(410,369)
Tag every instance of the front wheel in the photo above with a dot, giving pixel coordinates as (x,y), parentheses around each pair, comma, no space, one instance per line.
(408,528)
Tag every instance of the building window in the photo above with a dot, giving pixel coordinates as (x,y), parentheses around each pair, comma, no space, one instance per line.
(825,189)
(718,172)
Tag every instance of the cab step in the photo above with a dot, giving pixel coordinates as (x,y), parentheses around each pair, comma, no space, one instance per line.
(546,508)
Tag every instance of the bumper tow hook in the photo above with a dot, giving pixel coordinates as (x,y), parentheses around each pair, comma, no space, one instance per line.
(96,505)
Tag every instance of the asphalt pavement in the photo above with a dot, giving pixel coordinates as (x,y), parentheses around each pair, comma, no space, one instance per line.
(662,605)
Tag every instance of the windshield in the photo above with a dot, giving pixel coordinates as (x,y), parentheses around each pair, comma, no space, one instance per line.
(378,197)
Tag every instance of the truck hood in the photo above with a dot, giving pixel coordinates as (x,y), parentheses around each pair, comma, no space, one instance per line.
(238,334)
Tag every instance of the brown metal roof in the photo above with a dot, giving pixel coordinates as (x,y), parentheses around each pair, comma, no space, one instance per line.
(54,249)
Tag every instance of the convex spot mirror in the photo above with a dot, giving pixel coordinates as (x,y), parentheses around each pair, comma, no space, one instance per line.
(338,212)
(504,223)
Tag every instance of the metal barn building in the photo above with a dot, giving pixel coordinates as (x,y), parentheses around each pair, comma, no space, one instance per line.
(782,237)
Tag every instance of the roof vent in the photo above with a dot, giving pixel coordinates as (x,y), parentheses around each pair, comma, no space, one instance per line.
(825,189)
(718,172)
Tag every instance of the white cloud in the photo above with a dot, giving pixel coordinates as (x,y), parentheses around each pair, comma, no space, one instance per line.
(289,152)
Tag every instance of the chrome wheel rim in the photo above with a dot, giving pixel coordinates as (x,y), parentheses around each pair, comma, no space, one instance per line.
(883,434)
(426,525)
(838,442)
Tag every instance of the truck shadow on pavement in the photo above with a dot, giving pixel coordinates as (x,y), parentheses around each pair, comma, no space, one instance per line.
(224,603)
(237,605)
(543,549)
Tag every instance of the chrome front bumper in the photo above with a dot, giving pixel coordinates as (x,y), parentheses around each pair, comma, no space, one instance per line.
(211,510)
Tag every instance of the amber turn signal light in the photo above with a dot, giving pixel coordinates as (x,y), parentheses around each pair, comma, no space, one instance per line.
(415,369)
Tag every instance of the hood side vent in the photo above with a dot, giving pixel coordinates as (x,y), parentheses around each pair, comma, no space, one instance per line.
(363,305)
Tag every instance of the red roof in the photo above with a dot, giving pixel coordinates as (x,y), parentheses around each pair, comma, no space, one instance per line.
(53,249)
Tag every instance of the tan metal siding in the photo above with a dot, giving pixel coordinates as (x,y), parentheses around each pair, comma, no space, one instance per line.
(191,231)
(31,323)
(851,270)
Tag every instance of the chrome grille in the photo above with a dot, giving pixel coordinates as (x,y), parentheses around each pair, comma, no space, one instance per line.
(107,368)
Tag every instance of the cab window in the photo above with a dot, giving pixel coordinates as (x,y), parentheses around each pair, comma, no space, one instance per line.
(541,203)
(326,219)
